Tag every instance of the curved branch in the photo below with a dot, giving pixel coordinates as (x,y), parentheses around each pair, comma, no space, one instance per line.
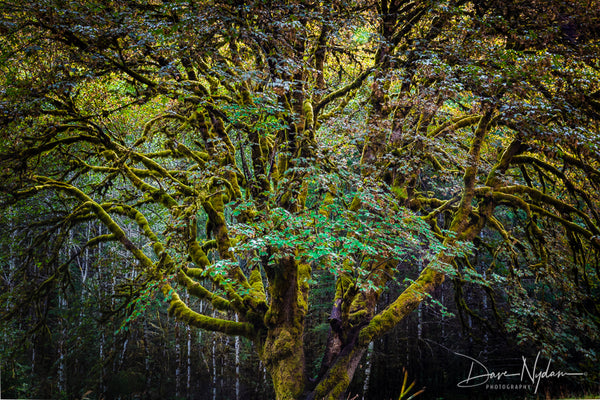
(529,208)
(342,91)
(408,301)
(102,215)
(568,184)
(455,124)
(557,204)
(196,289)
(182,312)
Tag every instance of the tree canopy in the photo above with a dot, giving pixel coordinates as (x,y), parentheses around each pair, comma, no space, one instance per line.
(242,152)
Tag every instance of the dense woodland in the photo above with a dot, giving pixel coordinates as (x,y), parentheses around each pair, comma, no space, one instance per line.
(299,199)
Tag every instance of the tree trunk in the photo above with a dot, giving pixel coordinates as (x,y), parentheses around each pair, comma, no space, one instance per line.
(177,361)
(237,365)
(188,383)
(283,348)
(368,370)
(214,364)
(62,384)
(284,359)
(334,384)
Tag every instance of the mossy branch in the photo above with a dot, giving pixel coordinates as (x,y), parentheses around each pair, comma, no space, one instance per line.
(445,205)
(408,301)
(163,173)
(516,147)
(199,157)
(135,75)
(464,208)
(342,91)
(183,313)
(144,173)
(593,238)
(257,290)
(454,124)
(198,256)
(142,222)
(558,173)
(35,151)
(529,208)
(159,195)
(101,239)
(591,172)
(148,126)
(196,289)
(102,215)
(552,201)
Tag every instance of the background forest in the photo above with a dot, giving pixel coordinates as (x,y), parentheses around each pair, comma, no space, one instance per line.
(299,199)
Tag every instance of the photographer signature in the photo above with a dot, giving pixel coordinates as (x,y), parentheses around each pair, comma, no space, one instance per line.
(534,375)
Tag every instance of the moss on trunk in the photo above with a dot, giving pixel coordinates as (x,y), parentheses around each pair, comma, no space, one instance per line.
(283,354)
(283,348)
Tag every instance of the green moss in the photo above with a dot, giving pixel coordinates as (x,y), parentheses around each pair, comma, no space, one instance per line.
(231,181)
(285,198)
(216,220)
(309,115)
(263,149)
(284,357)
(195,289)
(183,313)
(282,346)
(355,205)
(400,191)
(327,200)
(357,317)
(162,172)
(197,273)
(100,239)
(270,318)
(197,255)
(304,271)
(257,287)
(334,385)
(199,157)
(402,306)
(209,245)
(303,194)
(158,195)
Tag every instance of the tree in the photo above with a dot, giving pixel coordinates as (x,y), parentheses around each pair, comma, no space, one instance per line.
(238,151)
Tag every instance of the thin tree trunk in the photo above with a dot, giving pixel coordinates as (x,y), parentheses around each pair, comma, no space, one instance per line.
(101,295)
(224,382)
(177,361)
(214,364)
(237,364)
(62,306)
(420,311)
(263,376)
(443,328)
(368,362)
(62,386)
(101,355)
(123,351)
(148,371)
(33,356)
(188,384)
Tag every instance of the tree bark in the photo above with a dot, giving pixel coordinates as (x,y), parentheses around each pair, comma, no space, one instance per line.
(283,348)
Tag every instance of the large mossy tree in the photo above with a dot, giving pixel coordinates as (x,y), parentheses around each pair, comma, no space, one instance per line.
(255,146)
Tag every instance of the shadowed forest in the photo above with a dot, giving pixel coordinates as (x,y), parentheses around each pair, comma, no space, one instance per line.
(299,200)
